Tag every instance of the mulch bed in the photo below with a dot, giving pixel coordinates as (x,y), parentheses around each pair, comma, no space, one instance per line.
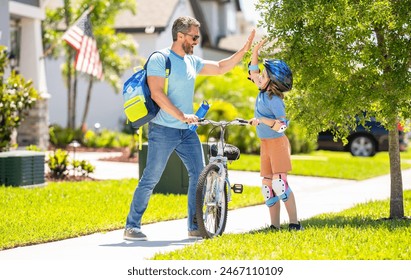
(124,157)
(69,178)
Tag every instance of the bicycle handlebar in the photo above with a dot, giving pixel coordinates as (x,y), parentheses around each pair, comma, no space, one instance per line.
(223,123)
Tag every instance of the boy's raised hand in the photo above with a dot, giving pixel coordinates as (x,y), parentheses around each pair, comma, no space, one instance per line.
(259,45)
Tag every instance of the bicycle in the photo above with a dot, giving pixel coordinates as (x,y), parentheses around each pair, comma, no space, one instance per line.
(213,187)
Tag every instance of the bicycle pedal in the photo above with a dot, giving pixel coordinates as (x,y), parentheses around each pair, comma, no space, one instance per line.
(237,188)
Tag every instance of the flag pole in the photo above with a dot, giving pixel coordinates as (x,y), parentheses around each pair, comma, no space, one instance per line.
(47,52)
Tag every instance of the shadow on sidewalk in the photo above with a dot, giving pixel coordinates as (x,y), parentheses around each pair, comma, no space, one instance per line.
(148,243)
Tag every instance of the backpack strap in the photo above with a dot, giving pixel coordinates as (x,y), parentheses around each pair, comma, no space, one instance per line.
(168,72)
(167,69)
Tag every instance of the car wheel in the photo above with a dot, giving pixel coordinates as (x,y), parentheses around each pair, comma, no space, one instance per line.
(362,146)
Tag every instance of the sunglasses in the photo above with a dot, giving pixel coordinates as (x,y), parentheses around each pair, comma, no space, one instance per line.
(194,37)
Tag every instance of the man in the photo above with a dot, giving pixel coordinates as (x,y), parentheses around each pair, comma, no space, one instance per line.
(168,131)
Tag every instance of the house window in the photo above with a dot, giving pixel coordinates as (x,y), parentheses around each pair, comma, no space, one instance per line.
(30,2)
(15,35)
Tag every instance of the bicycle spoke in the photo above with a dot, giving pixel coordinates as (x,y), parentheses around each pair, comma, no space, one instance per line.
(212,205)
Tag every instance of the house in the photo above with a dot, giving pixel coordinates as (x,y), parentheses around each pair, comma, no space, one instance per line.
(223,30)
(151,29)
(20,31)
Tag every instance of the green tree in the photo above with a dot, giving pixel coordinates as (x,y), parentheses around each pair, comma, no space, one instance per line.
(233,96)
(16,96)
(109,43)
(350,59)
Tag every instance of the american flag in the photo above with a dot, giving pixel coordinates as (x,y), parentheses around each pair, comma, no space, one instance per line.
(80,37)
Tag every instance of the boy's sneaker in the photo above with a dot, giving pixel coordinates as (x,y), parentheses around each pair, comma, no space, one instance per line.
(194,234)
(274,228)
(134,234)
(295,226)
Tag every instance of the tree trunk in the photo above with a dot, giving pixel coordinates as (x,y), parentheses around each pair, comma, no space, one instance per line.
(87,105)
(396,200)
(70,55)
(74,101)
(69,90)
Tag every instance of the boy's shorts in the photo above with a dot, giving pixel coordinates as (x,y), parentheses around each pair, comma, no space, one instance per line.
(275,156)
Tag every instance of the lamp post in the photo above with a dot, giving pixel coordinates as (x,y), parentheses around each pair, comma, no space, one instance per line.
(97,127)
(74,144)
(12,61)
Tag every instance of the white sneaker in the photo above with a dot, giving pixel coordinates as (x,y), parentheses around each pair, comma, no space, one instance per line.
(134,234)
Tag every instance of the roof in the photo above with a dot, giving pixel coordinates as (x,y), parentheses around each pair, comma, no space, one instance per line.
(156,13)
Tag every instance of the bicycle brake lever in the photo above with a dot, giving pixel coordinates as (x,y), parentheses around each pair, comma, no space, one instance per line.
(200,121)
(242,121)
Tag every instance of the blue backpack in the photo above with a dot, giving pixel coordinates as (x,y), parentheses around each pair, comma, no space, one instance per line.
(138,105)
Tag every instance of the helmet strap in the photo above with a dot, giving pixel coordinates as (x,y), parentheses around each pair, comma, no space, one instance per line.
(266,87)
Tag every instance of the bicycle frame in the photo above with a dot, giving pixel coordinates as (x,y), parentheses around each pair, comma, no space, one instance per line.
(214,188)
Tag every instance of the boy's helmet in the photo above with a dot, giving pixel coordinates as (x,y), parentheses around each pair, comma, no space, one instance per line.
(279,73)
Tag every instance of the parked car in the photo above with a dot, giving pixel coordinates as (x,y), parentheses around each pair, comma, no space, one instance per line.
(362,142)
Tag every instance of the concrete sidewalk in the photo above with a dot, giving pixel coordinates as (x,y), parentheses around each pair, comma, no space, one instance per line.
(313,196)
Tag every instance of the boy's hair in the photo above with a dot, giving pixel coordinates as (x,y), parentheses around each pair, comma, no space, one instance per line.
(183,25)
(272,89)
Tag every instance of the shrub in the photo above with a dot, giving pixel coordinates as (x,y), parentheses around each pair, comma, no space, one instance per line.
(61,137)
(106,139)
(33,148)
(82,167)
(245,137)
(60,165)
(299,139)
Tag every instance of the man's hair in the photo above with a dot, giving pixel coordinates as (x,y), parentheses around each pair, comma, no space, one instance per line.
(183,25)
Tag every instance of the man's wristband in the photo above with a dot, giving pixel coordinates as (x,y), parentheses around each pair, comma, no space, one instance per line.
(253,67)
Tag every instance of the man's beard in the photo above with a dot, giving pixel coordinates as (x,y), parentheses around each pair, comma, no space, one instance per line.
(188,49)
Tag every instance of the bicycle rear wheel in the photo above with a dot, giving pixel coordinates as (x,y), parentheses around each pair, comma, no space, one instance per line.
(211,202)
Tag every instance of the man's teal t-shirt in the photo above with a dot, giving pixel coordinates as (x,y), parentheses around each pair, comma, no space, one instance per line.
(184,71)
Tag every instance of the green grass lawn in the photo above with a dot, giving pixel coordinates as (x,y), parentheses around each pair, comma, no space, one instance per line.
(340,165)
(64,210)
(358,233)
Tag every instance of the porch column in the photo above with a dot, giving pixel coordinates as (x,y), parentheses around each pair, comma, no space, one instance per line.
(34,129)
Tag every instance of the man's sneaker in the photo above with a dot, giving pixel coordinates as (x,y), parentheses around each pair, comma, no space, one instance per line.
(295,226)
(134,234)
(194,234)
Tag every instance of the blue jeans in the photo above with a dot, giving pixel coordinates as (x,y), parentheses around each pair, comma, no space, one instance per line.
(162,141)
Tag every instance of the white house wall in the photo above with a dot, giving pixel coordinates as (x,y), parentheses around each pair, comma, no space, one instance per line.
(4,23)
(32,65)
(105,105)
(34,129)
(221,18)
(27,11)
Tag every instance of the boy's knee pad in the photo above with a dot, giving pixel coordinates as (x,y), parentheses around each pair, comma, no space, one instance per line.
(281,189)
(269,197)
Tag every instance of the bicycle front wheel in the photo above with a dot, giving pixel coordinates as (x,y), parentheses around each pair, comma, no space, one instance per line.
(211,202)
